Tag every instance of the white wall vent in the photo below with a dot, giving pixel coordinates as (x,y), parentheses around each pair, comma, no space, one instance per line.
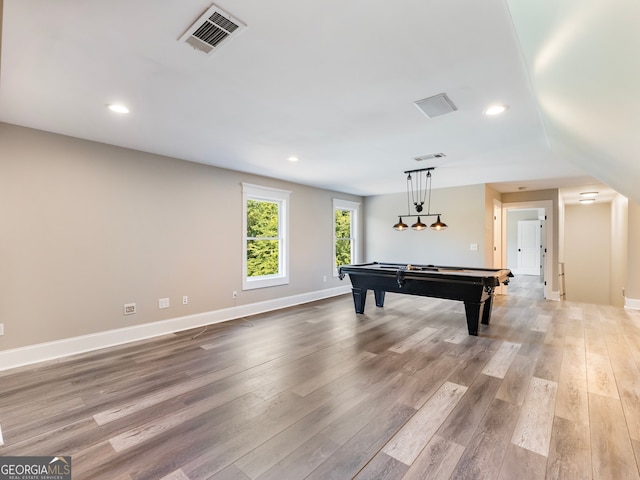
(214,28)
(437,105)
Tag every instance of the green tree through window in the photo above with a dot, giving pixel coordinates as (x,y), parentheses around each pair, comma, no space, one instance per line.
(265,246)
(345,233)
(343,237)
(262,238)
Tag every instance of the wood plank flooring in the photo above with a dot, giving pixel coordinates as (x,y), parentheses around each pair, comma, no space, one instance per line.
(548,390)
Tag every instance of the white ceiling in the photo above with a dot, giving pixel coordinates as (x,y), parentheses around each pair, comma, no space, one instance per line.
(334,83)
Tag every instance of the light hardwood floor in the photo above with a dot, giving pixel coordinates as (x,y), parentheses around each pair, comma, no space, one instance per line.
(548,390)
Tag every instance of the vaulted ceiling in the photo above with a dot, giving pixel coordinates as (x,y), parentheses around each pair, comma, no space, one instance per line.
(333,83)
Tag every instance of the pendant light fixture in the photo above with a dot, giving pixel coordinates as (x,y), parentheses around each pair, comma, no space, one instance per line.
(438,225)
(419,193)
(400,225)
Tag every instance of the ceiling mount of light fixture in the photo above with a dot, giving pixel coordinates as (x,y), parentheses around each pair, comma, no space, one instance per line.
(587,198)
(419,193)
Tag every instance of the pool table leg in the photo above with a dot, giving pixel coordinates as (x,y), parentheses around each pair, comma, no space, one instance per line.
(486,312)
(474,314)
(359,298)
(379,294)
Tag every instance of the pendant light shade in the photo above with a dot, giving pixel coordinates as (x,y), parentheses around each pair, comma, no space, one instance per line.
(419,193)
(438,225)
(418,225)
(400,225)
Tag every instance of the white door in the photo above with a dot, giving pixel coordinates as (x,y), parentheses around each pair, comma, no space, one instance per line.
(528,247)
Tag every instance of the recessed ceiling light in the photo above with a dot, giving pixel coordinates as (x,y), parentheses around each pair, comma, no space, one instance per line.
(293,159)
(495,110)
(587,201)
(589,194)
(118,108)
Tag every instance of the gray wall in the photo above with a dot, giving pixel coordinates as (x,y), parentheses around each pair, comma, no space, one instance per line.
(87,227)
(463,210)
(586,255)
(619,247)
(632,286)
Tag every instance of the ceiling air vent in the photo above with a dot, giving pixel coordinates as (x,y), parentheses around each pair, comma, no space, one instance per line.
(214,28)
(437,105)
(430,156)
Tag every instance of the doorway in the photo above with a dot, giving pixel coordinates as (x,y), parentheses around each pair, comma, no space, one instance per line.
(540,269)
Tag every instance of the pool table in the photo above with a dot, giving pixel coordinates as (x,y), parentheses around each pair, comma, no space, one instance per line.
(473,286)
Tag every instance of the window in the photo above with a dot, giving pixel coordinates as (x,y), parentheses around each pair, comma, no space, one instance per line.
(345,222)
(265,243)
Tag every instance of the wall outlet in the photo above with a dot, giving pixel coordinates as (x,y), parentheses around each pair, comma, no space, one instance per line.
(129,308)
(1,329)
(163,303)
(234,294)
(324,278)
(185,300)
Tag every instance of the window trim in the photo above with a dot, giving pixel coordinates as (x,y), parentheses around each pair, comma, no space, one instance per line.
(281,197)
(354,208)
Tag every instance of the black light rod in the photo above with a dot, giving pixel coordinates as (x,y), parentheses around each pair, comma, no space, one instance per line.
(421,215)
(420,170)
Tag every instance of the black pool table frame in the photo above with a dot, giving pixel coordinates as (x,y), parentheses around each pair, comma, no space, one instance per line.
(473,286)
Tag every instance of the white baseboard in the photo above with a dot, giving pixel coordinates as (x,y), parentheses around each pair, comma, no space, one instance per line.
(31,354)
(632,303)
(554,295)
